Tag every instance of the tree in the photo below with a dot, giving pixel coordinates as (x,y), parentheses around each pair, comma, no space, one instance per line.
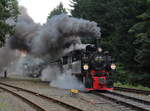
(115,17)
(141,31)
(8,10)
(58,10)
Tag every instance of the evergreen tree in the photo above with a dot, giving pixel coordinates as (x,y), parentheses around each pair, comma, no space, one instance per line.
(8,10)
(115,17)
(58,10)
(141,31)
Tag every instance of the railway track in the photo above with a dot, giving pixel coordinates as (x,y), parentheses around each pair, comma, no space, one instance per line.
(38,101)
(131,102)
(138,91)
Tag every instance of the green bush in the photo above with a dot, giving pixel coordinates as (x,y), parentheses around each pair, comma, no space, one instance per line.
(127,77)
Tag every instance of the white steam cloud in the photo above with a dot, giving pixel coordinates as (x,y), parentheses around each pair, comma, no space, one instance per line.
(67,80)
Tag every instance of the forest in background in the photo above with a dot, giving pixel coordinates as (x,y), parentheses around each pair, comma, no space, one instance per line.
(125,27)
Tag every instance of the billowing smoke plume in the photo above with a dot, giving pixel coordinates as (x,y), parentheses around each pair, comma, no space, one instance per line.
(25,30)
(60,31)
(52,40)
(7,56)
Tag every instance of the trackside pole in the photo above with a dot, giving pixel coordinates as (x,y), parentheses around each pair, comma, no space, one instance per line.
(5,73)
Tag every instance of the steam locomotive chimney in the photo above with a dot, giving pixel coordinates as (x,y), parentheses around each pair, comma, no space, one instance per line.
(98,42)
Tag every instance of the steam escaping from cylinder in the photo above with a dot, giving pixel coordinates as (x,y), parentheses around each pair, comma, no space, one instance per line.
(50,73)
(50,41)
(68,81)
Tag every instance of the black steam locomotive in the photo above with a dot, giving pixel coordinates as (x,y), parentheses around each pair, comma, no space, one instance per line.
(92,66)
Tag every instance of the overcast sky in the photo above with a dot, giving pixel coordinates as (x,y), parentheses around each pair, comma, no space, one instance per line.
(39,9)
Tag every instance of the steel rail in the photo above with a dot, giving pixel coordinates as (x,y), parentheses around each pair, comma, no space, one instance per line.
(138,91)
(35,106)
(45,97)
(122,102)
(129,97)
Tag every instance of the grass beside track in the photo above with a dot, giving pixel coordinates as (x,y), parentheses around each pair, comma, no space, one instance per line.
(3,105)
(131,86)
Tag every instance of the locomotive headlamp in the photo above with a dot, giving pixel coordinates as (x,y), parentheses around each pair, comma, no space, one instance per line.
(99,49)
(113,66)
(85,67)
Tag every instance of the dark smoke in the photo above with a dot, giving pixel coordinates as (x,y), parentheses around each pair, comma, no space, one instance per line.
(7,56)
(25,30)
(60,32)
(50,41)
